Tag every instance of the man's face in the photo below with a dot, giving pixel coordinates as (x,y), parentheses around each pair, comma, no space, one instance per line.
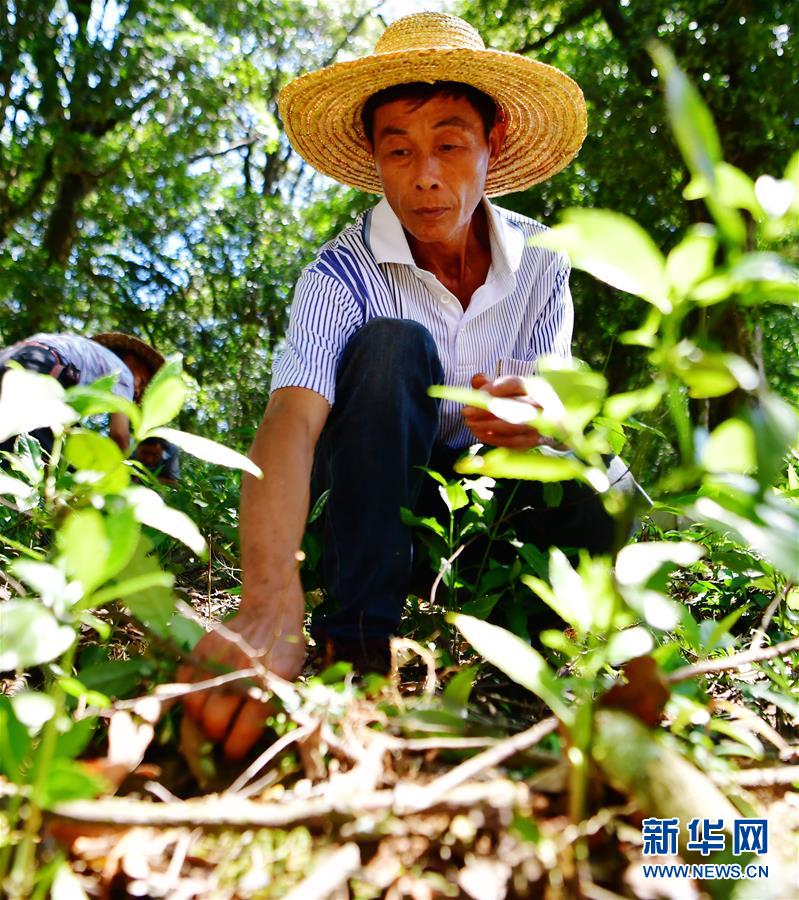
(433,160)
(141,374)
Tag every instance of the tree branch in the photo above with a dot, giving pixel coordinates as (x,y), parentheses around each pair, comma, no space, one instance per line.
(568,20)
(733,662)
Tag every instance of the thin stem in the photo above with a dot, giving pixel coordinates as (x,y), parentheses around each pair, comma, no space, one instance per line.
(22,874)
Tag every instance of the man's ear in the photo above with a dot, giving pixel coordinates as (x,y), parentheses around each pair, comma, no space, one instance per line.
(496,138)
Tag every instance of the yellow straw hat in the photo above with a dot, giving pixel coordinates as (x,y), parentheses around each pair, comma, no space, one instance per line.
(544,108)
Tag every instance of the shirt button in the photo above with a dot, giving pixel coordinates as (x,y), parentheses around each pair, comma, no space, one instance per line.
(445,298)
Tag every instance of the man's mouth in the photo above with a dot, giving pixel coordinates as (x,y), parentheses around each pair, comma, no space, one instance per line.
(431,212)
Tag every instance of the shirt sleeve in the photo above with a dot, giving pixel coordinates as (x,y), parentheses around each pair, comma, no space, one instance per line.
(552,334)
(324,315)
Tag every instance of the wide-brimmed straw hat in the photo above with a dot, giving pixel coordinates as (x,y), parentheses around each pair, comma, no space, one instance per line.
(121,343)
(544,109)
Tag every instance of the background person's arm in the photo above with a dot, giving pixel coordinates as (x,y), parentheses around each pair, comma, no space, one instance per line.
(119,431)
(274,511)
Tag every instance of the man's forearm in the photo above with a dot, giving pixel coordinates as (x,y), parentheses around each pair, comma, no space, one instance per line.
(274,511)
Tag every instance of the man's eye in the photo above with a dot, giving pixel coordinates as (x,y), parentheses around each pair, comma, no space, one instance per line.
(398,152)
(449,146)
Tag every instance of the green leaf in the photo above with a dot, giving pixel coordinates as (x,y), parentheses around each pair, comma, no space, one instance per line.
(66,884)
(15,743)
(210,451)
(91,400)
(84,546)
(638,564)
(532,465)
(690,119)
(15,487)
(454,496)
(33,709)
(622,406)
(518,660)
(50,583)
(163,399)
(710,374)
(116,678)
(29,401)
(150,509)
(123,536)
(730,186)
(730,448)
(691,261)
(459,687)
(99,460)
(567,595)
(628,644)
(30,635)
(768,525)
(68,780)
(614,249)
(775,425)
(147,591)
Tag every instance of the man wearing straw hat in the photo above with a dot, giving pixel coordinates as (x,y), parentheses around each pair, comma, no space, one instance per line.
(73,359)
(433,285)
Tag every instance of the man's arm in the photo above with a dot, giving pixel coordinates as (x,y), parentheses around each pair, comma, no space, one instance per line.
(119,431)
(274,511)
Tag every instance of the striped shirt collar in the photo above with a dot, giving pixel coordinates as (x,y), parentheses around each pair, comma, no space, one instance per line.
(389,245)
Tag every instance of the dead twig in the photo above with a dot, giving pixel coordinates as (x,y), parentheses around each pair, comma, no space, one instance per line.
(267,756)
(331,874)
(768,615)
(735,661)
(493,756)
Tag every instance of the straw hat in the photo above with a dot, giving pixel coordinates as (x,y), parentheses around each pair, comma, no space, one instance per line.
(121,343)
(543,107)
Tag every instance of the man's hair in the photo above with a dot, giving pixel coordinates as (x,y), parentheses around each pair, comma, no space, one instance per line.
(421,92)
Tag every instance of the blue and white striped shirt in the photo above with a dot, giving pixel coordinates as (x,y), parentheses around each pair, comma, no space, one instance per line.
(521,313)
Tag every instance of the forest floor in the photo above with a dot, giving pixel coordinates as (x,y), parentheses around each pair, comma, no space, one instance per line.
(431,783)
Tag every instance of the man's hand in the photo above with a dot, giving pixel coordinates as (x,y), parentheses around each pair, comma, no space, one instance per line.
(233,719)
(488,428)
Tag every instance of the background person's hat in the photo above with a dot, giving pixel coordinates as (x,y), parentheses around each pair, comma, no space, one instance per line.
(121,343)
(543,107)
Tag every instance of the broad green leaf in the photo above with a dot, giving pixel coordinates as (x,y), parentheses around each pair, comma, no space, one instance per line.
(84,546)
(15,487)
(50,583)
(147,593)
(532,465)
(517,659)
(150,509)
(69,780)
(775,425)
(116,678)
(614,249)
(730,448)
(99,461)
(628,644)
(123,535)
(29,401)
(709,374)
(622,406)
(691,261)
(690,119)
(637,564)
(765,277)
(454,496)
(731,186)
(33,709)
(163,399)
(210,451)
(66,884)
(580,393)
(427,522)
(459,687)
(91,400)
(769,527)
(775,196)
(567,595)
(15,742)
(30,635)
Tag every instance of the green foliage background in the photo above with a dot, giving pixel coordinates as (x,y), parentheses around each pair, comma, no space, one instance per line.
(145,182)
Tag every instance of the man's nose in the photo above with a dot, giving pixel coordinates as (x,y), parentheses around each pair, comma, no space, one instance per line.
(427,174)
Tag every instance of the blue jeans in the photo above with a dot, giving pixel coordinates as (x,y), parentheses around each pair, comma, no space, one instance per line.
(382,426)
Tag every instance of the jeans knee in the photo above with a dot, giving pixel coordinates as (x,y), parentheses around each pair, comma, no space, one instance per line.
(388,345)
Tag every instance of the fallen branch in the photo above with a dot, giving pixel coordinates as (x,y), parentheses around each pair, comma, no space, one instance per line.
(768,615)
(733,662)
(761,777)
(231,811)
(435,791)
(332,873)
